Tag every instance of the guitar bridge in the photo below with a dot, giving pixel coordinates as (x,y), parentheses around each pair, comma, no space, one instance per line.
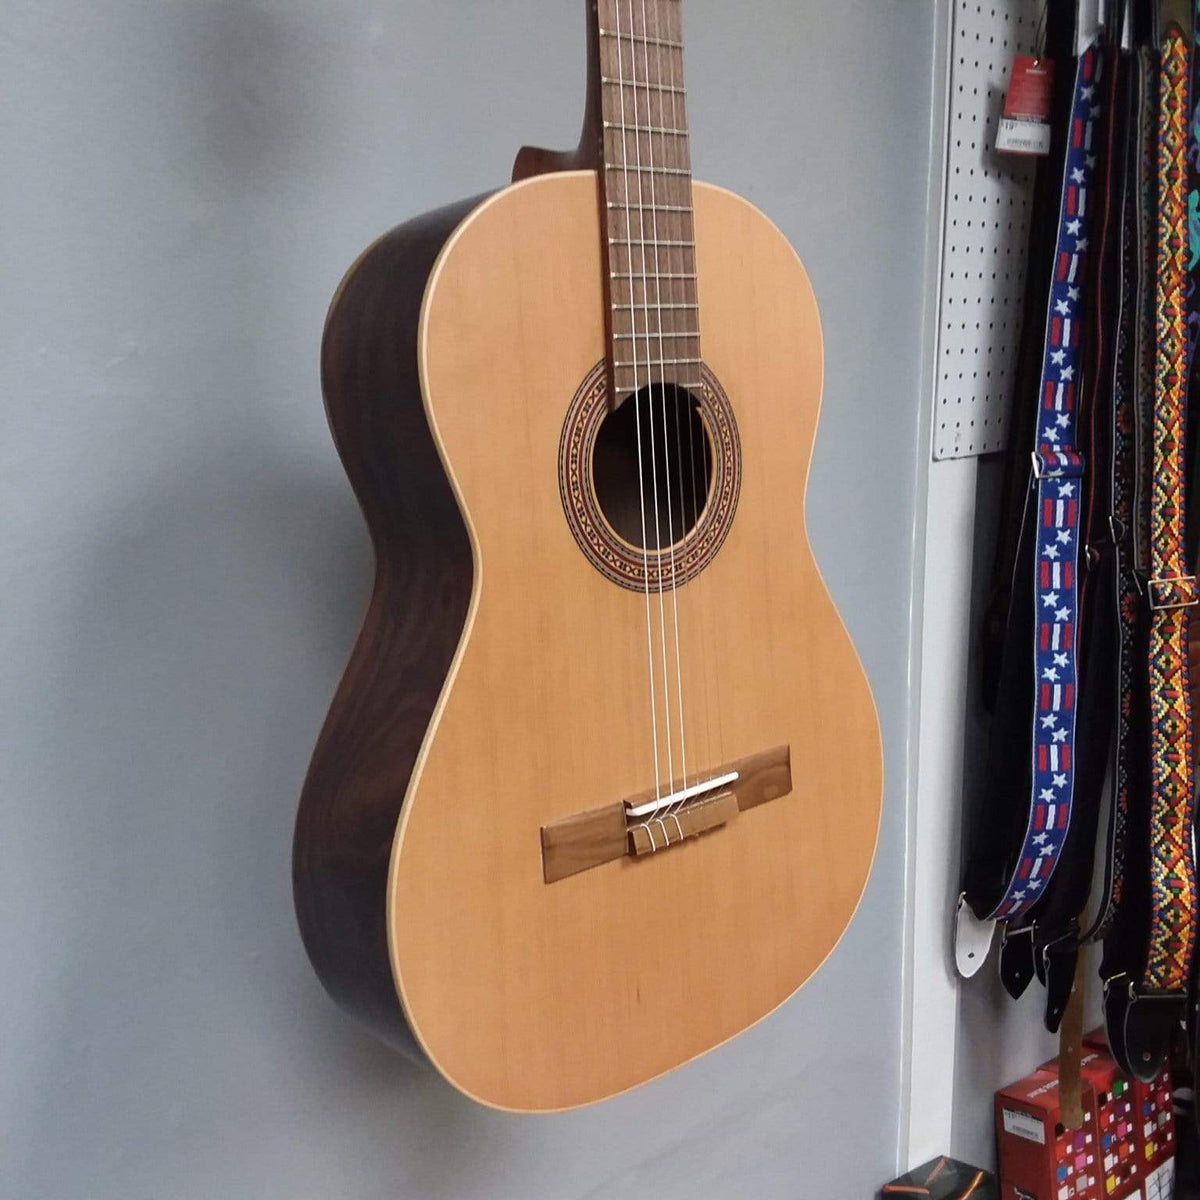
(675,825)
(649,822)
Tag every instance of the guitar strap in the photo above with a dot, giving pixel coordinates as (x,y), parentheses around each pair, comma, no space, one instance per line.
(1007,678)
(1007,874)
(1148,955)
(1129,751)
(1193,449)
(1056,939)
(1192,540)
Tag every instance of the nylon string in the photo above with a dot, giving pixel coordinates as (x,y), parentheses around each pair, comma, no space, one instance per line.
(637,391)
(657,250)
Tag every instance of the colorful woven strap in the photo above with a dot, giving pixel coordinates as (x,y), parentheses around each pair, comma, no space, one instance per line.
(1058,467)
(1143,359)
(1172,590)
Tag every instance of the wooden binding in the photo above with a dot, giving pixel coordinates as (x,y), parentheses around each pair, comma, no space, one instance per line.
(600,835)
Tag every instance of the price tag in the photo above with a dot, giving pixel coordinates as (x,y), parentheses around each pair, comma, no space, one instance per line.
(1025,123)
(1024,1125)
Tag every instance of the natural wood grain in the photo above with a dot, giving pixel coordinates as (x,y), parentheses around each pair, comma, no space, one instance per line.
(365,754)
(583,841)
(531,997)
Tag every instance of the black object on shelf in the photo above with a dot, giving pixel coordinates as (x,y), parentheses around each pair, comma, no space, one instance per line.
(943,1179)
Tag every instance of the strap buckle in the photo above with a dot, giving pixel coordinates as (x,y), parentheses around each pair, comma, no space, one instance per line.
(1111,983)
(1056,464)
(1053,945)
(1172,591)
(1007,933)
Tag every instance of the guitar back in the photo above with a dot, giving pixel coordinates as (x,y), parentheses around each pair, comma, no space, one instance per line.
(535,995)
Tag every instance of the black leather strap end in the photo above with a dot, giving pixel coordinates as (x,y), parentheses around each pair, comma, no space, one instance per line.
(1058,974)
(1140,1028)
(1018,964)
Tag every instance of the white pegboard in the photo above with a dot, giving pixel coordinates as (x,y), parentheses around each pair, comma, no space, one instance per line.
(986,231)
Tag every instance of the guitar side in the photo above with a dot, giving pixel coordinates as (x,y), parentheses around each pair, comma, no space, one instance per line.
(364,757)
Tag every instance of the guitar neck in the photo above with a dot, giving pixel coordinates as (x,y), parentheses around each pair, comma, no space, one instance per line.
(650,258)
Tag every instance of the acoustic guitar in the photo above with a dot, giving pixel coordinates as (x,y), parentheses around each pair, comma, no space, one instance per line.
(601,785)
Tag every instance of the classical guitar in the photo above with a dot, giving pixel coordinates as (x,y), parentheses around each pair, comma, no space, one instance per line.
(601,785)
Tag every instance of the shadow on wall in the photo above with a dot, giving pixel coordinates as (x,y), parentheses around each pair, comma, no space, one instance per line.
(208,624)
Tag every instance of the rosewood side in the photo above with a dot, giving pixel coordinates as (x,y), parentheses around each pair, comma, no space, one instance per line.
(360,768)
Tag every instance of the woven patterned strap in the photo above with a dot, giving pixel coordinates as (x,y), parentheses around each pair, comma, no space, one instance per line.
(1058,467)
(1172,591)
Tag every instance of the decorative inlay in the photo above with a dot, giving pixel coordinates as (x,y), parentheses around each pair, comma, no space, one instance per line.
(608,552)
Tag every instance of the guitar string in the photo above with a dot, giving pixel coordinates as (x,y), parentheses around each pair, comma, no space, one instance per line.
(657,249)
(662,608)
(677,156)
(637,398)
(708,433)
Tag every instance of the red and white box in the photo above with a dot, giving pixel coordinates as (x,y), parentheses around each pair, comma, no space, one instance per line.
(1121,1163)
(1040,1159)
(1152,1112)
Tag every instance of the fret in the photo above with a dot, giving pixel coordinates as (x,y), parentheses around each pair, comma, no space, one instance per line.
(687,383)
(650,243)
(669,88)
(659,362)
(658,129)
(650,304)
(621,36)
(635,169)
(648,207)
(652,277)
(644,335)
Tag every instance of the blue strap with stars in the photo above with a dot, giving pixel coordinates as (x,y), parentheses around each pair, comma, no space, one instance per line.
(1057,472)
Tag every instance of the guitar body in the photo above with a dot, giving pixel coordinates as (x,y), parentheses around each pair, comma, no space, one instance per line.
(500,681)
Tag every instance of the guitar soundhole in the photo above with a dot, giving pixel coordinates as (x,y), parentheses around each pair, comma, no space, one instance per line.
(691,477)
(652,467)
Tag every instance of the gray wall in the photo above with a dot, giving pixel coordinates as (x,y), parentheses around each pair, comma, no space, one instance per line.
(183,184)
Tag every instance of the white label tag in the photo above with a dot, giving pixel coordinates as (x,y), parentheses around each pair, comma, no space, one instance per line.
(1017,136)
(1160,1184)
(1024,1126)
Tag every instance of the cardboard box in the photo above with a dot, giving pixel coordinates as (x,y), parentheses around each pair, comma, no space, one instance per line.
(1039,1158)
(1153,1113)
(1121,1167)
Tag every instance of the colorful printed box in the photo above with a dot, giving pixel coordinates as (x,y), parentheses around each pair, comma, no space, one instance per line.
(1039,1158)
(1153,1116)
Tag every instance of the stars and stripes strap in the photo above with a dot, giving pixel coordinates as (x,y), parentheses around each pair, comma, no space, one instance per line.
(1057,470)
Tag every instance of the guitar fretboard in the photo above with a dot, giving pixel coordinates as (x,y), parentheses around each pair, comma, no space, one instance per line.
(647,189)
